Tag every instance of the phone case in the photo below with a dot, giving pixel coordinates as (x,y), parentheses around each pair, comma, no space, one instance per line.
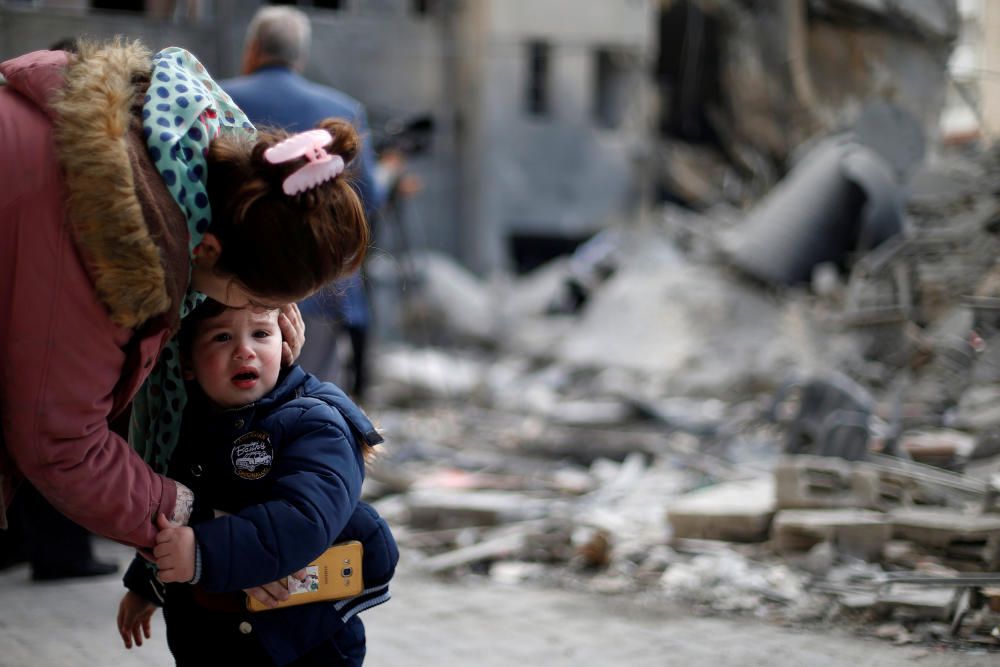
(335,575)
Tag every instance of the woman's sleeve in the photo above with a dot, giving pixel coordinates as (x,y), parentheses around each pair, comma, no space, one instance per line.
(317,485)
(61,358)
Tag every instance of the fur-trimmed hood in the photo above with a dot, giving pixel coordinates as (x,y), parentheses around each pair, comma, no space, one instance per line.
(95,110)
(128,229)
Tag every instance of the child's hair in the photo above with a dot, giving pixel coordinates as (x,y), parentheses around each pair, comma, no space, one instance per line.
(276,244)
(207,309)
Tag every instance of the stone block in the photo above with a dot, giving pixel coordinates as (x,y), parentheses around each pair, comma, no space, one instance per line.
(819,482)
(965,541)
(856,533)
(914,602)
(738,511)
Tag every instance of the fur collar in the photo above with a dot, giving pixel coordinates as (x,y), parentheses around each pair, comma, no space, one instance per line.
(96,131)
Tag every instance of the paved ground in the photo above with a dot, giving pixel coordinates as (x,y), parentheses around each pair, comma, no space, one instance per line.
(456,625)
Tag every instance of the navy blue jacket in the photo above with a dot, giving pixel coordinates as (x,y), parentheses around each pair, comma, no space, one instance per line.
(288,469)
(277,96)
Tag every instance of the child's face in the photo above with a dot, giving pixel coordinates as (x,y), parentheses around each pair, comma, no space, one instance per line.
(236,355)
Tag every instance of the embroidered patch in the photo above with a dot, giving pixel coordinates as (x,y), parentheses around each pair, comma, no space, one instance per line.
(252,455)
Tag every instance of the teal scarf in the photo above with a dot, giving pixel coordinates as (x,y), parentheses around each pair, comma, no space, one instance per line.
(183,111)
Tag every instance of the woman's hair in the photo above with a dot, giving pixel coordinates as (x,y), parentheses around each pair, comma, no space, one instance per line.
(279,245)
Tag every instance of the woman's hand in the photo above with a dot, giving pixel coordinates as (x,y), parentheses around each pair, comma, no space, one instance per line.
(273,593)
(134,615)
(293,333)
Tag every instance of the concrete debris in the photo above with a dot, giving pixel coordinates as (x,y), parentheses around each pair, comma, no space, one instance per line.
(966,541)
(431,373)
(642,419)
(944,448)
(729,582)
(451,509)
(501,546)
(857,534)
(815,482)
(444,292)
(910,602)
(734,511)
(841,200)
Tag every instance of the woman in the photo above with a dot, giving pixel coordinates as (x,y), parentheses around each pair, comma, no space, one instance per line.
(128,180)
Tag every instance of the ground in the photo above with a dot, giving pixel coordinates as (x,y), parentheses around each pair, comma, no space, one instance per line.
(468,624)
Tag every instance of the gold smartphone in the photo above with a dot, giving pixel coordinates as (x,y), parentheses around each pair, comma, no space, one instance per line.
(335,575)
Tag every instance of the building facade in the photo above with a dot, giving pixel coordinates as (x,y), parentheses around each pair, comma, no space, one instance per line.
(539,107)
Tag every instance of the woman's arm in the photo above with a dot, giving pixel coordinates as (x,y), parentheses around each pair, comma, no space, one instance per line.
(318,476)
(60,362)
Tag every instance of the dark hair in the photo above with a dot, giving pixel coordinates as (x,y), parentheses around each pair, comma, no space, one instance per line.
(207,309)
(279,245)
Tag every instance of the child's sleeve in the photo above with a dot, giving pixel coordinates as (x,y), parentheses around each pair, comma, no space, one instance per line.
(140,578)
(316,485)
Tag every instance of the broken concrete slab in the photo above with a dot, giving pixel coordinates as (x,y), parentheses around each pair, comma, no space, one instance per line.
(738,511)
(699,331)
(509,544)
(913,602)
(881,483)
(856,533)
(448,303)
(939,447)
(450,509)
(821,482)
(841,198)
(904,483)
(430,373)
(965,541)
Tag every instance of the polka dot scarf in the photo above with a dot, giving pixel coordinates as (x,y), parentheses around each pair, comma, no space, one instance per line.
(183,111)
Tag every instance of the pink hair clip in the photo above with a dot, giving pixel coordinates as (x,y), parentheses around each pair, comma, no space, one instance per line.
(311,145)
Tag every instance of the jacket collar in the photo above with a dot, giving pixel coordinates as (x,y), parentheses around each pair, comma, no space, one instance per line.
(276,68)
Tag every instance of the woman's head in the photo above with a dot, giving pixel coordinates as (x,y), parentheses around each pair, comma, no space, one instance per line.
(274,246)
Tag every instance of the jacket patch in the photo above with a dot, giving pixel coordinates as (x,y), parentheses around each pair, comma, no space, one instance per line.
(252,455)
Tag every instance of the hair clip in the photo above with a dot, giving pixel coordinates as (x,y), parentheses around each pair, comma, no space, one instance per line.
(321,166)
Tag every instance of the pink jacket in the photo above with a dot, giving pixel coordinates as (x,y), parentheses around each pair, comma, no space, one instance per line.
(93,262)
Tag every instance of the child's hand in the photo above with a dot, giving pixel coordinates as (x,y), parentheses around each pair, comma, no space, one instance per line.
(134,614)
(174,551)
(276,591)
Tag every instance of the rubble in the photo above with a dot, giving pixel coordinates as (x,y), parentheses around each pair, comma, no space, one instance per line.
(733,511)
(964,541)
(811,446)
(859,534)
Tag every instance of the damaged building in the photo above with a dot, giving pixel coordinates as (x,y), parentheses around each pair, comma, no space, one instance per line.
(772,393)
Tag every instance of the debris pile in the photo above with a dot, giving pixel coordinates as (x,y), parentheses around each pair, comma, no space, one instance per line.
(803,453)
(788,410)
